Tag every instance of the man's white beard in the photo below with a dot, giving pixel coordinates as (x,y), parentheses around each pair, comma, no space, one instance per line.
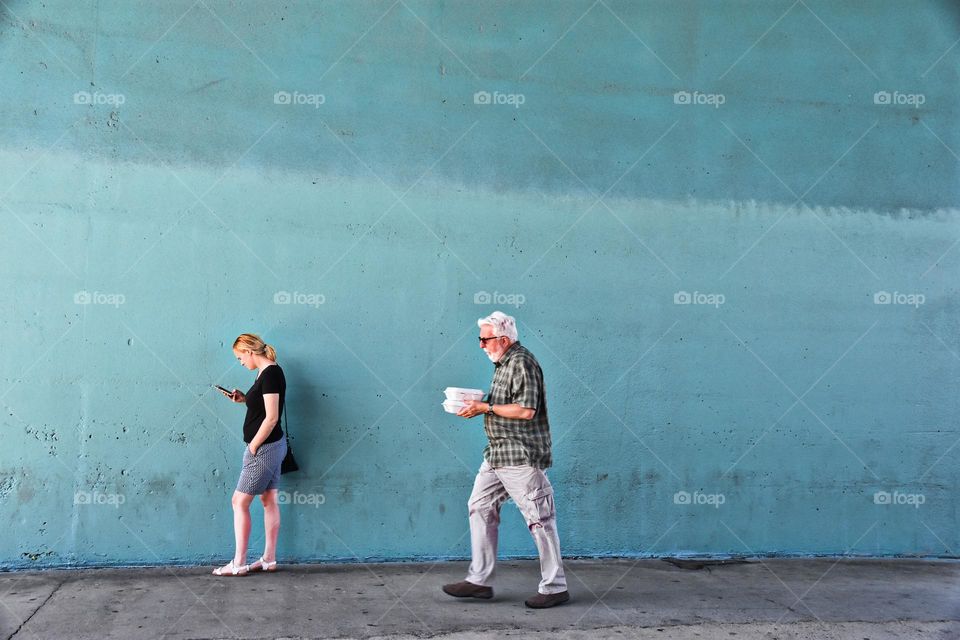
(492,357)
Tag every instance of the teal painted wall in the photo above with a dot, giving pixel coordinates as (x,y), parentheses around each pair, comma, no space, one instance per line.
(778,165)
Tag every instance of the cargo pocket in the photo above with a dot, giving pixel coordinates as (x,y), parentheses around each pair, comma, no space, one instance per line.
(538,505)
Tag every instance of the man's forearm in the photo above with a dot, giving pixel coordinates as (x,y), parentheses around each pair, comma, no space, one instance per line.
(514,411)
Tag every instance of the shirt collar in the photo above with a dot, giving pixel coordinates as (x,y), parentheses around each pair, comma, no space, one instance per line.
(509,353)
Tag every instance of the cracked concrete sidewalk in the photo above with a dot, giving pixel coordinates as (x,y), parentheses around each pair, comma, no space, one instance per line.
(781,599)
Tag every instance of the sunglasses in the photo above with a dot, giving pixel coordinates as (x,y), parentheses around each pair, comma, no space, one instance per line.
(483,340)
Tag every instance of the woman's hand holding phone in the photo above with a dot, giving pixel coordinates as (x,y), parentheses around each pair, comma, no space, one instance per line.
(234,395)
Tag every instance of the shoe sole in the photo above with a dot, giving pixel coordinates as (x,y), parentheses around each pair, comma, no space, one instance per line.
(469,595)
(546,606)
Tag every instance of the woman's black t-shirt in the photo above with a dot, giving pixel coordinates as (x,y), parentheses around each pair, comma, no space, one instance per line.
(271,380)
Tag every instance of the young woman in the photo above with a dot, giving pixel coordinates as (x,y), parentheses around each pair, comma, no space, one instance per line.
(264,452)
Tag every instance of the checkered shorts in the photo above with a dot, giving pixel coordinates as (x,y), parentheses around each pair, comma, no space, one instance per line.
(261,472)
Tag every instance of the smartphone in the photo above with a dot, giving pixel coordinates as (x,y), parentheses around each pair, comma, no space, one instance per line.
(226,391)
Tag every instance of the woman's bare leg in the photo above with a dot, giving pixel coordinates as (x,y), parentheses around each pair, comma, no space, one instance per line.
(241,526)
(241,531)
(271,524)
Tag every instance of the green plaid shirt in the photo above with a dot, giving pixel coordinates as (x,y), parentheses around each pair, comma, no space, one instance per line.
(518,379)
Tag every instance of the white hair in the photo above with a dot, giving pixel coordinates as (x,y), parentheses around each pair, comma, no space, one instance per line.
(503,325)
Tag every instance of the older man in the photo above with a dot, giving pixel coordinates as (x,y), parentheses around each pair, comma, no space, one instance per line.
(515,420)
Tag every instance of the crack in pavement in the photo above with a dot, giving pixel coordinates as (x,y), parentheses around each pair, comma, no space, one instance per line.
(30,617)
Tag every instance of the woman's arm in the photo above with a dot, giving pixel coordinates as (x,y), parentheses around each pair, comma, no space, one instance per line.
(271,406)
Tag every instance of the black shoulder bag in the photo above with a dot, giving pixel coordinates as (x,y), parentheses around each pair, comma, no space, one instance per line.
(289,464)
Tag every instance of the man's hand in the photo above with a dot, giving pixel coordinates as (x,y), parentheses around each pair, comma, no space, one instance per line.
(473,408)
(252,449)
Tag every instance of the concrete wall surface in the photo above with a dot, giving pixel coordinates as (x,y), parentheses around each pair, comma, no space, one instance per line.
(728,230)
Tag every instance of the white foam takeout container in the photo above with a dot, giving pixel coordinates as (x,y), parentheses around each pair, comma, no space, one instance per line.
(459,393)
(453,406)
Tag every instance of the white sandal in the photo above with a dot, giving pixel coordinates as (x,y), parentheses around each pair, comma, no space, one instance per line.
(232,570)
(262,565)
